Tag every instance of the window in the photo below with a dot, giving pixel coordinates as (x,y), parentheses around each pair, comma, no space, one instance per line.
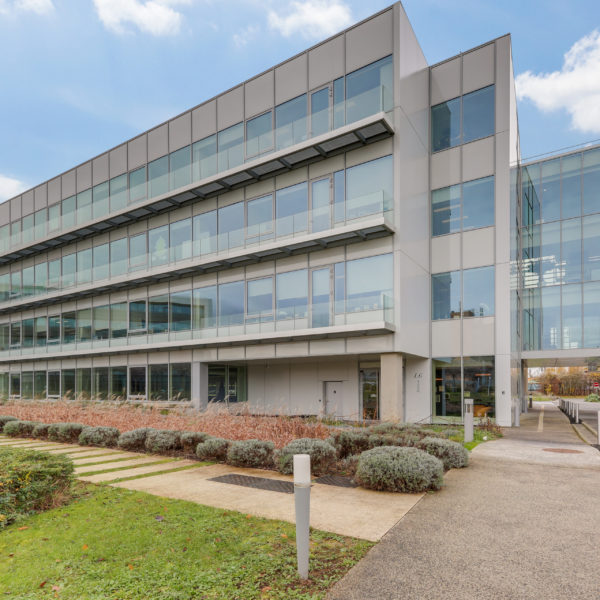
(138,252)
(571,250)
(571,186)
(204,311)
(39,385)
(101,262)
(445,288)
(260,300)
(181,311)
(118,383)
(137,382)
(68,383)
(205,233)
(290,122)
(137,316)
(551,334)
(231,304)
(369,188)
(84,325)
(15,385)
(204,157)
(54,217)
(369,90)
(69,270)
(101,329)
(118,192)
(181,382)
(320,205)
(118,320)
(4,337)
(479,384)
(591,247)
(41,329)
(137,185)
(28,326)
(591,181)
(69,206)
(159,382)
(591,314)
(319,112)
(321,297)
(41,278)
(550,188)
(54,384)
(158,177)
(27,385)
(259,135)
(54,329)
(100,376)
(54,274)
(292,295)
(572,334)
(477,110)
(28,279)
(231,147)
(15,284)
(260,217)
(84,206)
(40,218)
(158,243)
(231,226)
(180,234)
(4,287)
(180,166)
(226,384)
(84,266)
(550,251)
(27,229)
(478,292)
(291,209)
(100,199)
(158,314)
(69,323)
(369,283)
(15,334)
(83,384)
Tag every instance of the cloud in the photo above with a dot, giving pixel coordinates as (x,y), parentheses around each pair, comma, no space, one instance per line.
(312,18)
(40,7)
(243,37)
(10,187)
(156,17)
(575,88)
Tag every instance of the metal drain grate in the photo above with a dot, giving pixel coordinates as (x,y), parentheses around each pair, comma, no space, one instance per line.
(336,480)
(259,483)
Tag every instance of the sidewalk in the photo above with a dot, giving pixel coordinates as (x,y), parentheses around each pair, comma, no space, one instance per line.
(519,523)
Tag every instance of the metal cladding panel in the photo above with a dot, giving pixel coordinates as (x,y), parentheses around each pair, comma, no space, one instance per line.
(445,81)
(180,132)
(136,152)
(259,94)
(54,191)
(326,62)
(4,213)
(40,197)
(15,208)
(370,41)
(68,184)
(478,68)
(100,169)
(204,120)
(291,79)
(84,177)
(230,108)
(27,203)
(478,159)
(118,161)
(158,142)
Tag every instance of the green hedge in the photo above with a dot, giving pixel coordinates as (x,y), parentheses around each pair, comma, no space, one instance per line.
(65,432)
(322,455)
(31,481)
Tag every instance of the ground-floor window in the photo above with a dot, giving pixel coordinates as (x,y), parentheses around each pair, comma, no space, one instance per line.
(455,379)
(226,383)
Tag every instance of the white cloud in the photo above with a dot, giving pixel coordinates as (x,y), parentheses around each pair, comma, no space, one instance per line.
(10,187)
(243,37)
(40,7)
(156,17)
(312,18)
(575,88)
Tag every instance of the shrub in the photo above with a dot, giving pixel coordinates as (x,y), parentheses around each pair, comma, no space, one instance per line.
(40,430)
(393,469)
(347,466)
(212,449)
(163,440)
(448,433)
(349,442)
(322,455)
(4,419)
(452,454)
(19,428)
(593,398)
(31,481)
(191,439)
(134,439)
(392,428)
(251,454)
(99,436)
(65,432)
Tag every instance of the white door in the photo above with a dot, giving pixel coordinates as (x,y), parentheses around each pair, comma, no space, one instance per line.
(333,398)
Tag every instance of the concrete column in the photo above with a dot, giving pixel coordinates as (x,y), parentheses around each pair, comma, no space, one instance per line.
(391,401)
(199,385)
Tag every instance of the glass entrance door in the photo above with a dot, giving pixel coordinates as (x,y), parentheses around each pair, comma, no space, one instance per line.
(369,393)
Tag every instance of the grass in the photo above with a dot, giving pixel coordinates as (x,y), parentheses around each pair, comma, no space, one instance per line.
(126,545)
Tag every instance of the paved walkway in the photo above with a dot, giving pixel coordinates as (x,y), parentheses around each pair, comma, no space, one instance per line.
(522,522)
(353,512)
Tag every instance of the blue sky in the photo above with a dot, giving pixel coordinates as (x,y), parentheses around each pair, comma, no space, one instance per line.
(81,76)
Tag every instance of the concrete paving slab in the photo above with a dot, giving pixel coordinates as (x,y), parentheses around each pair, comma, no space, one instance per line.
(133,472)
(122,464)
(90,459)
(347,511)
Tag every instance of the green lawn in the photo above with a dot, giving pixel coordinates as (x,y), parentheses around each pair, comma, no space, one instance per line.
(120,544)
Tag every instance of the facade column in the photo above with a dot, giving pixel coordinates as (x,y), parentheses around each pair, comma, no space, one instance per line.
(199,385)
(391,400)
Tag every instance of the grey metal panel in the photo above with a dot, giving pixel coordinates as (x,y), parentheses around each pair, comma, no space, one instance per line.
(4,213)
(230,108)
(369,41)
(53,191)
(15,208)
(40,197)
(445,81)
(180,132)
(158,142)
(259,94)
(136,152)
(478,68)
(68,184)
(326,62)
(291,79)
(27,203)
(118,161)
(204,120)
(100,169)
(84,177)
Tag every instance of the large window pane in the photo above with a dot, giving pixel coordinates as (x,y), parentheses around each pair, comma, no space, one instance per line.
(84,266)
(84,206)
(138,251)
(205,233)
(591,181)
(158,314)
(231,147)
(478,114)
(369,90)
(54,274)
(28,280)
(101,380)
(137,185)
(292,295)
(571,186)
(118,383)
(15,385)
(369,188)
(84,325)
(15,334)
(260,217)
(68,384)
(571,250)
(118,257)
(137,316)
(180,166)
(291,209)
(54,329)
(27,385)
(260,299)
(205,307)
(445,290)
(445,210)
(321,297)
(54,217)
(319,112)
(28,332)
(551,266)
(83,384)
(290,122)
(69,323)
(158,177)
(100,194)
(231,226)
(551,190)
(339,196)
(591,248)
(4,337)
(101,262)
(445,125)
(118,320)
(478,203)
(4,287)
(40,219)
(180,234)
(39,385)
(40,331)
(101,322)
(181,382)
(231,303)
(137,382)
(158,242)
(478,292)
(447,387)
(369,283)
(69,270)
(159,382)
(571,317)
(118,192)
(591,315)
(181,311)
(320,206)
(339,103)
(551,338)
(480,384)
(53,384)
(259,135)
(204,155)
(41,278)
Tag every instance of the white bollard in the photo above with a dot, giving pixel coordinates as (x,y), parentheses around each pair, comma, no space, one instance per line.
(576,412)
(302,502)
(468,420)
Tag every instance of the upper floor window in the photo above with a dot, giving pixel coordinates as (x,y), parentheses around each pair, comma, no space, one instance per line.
(463,119)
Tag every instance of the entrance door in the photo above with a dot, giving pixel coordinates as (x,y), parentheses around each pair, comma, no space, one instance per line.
(369,393)
(333,398)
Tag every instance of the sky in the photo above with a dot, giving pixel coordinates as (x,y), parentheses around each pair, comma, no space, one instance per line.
(78,77)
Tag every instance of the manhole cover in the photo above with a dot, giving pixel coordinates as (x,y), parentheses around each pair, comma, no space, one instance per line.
(259,483)
(336,480)
(562,450)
